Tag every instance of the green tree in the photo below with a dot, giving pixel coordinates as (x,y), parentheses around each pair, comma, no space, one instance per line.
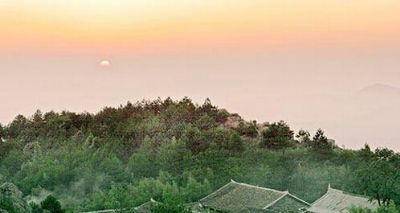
(11,199)
(142,162)
(320,143)
(236,143)
(277,136)
(170,208)
(195,140)
(115,158)
(304,138)
(2,133)
(366,154)
(391,208)
(7,205)
(52,205)
(35,208)
(248,129)
(380,179)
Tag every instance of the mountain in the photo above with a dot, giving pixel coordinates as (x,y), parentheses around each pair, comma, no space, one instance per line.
(379,90)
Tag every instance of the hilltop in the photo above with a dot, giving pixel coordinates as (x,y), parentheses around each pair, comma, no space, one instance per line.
(177,152)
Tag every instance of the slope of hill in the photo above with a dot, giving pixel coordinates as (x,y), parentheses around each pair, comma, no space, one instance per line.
(172,151)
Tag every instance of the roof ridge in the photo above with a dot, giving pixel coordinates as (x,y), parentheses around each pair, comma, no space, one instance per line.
(299,199)
(340,191)
(150,201)
(216,191)
(343,196)
(354,195)
(348,193)
(263,188)
(275,201)
(284,192)
(322,197)
(287,193)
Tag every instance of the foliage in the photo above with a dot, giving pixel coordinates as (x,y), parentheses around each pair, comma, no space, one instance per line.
(304,138)
(52,205)
(35,208)
(170,208)
(320,143)
(380,179)
(11,199)
(7,205)
(49,204)
(390,208)
(277,136)
(176,152)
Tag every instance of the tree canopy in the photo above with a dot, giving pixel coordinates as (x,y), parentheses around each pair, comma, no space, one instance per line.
(176,152)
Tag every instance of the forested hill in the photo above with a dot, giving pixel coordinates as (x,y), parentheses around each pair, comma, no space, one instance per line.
(178,152)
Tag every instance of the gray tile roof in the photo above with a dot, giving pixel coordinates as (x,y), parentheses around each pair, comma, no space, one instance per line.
(337,201)
(240,197)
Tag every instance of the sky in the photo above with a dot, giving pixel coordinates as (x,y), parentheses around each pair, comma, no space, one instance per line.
(308,62)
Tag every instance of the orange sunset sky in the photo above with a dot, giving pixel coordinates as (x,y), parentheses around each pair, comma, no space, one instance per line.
(154,25)
(312,63)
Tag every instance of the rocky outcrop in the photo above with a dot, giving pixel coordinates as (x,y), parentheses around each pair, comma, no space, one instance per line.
(232,122)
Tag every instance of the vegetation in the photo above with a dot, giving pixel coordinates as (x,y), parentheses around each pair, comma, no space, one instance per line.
(11,200)
(390,208)
(176,152)
(50,204)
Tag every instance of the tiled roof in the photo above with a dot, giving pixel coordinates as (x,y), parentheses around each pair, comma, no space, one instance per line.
(336,201)
(239,197)
(146,207)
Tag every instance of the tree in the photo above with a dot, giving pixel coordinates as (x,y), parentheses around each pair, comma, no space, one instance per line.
(304,138)
(380,179)
(172,200)
(35,208)
(52,204)
(141,163)
(1,133)
(11,199)
(248,129)
(320,143)
(236,143)
(18,126)
(195,140)
(37,118)
(170,208)
(366,154)
(277,136)
(7,205)
(391,208)
(111,159)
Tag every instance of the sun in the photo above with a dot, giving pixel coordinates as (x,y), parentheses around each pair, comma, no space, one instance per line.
(105,63)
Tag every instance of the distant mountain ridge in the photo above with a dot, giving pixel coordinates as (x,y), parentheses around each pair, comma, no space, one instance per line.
(379,89)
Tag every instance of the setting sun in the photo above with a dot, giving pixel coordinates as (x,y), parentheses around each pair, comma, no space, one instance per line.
(158,106)
(105,63)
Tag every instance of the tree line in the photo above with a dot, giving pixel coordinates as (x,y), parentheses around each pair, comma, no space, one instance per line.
(178,152)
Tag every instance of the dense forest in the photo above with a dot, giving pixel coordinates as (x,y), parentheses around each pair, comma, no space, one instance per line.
(176,152)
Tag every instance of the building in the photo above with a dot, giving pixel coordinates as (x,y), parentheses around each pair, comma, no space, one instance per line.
(337,201)
(144,208)
(241,197)
(237,197)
